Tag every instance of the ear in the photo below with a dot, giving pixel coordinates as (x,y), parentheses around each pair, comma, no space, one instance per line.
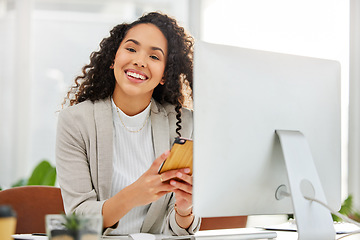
(162,82)
(112,66)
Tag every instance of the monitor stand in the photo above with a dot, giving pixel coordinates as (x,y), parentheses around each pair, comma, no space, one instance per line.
(313,220)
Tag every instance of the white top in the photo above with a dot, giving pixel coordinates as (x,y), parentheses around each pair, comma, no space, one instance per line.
(133,155)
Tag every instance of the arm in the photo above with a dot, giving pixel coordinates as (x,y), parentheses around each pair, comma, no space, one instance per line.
(75,176)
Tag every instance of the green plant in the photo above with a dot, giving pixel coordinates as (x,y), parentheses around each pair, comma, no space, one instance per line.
(43,174)
(347,209)
(74,222)
(75,227)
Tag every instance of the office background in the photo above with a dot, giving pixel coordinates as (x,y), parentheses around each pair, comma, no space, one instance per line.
(44,44)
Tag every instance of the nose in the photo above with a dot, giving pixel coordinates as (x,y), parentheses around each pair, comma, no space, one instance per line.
(140,61)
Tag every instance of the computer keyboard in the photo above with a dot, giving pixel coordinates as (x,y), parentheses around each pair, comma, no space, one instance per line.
(340,227)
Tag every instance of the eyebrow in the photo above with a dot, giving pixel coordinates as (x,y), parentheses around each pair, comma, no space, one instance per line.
(137,43)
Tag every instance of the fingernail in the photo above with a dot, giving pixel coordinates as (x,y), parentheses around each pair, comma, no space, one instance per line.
(165,154)
(187,170)
(179,174)
(173,183)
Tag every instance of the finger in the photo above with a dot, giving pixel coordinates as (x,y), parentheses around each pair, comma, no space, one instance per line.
(177,175)
(165,177)
(160,187)
(181,186)
(166,187)
(164,184)
(184,177)
(161,178)
(157,163)
(182,198)
(172,174)
(182,170)
(185,170)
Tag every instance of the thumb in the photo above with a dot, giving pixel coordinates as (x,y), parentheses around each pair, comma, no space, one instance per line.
(157,163)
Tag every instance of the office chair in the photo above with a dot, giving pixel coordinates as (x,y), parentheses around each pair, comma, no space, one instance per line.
(31,204)
(214,223)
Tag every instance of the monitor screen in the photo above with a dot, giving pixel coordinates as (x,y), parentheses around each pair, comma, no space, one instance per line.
(241,97)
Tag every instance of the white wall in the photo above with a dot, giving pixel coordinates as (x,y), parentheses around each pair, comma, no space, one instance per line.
(354,116)
(317,28)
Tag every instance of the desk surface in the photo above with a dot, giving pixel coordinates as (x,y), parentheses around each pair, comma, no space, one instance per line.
(281,235)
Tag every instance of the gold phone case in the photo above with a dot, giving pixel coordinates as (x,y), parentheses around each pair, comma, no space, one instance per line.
(181,156)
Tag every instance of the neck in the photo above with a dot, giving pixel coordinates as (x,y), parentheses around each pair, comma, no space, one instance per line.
(131,106)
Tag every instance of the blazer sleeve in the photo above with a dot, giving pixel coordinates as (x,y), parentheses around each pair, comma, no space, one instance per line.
(174,228)
(72,164)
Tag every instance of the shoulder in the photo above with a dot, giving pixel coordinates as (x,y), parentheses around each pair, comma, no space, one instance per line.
(84,109)
(186,119)
(84,112)
(185,112)
(169,110)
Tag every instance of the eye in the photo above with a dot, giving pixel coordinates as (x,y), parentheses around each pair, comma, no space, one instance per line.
(131,49)
(154,57)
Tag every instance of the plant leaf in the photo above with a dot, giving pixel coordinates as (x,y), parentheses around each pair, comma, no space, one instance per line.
(50,177)
(346,209)
(43,174)
(347,206)
(21,182)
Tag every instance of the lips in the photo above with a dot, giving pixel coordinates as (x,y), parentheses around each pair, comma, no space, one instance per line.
(136,76)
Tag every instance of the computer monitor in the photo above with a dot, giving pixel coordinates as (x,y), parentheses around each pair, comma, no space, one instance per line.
(242,99)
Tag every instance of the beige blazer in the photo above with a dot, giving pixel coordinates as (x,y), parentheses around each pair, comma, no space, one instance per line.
(84,155)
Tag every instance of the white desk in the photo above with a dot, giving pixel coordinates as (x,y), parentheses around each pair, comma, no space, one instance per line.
(281,235)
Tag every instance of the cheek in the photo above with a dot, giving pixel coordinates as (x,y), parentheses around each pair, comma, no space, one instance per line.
(118,68)
(160,68)
(118,62)
(121,58)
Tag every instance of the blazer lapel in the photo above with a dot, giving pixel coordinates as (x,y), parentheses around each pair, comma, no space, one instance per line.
(160,128)
(161,138)
(104,135)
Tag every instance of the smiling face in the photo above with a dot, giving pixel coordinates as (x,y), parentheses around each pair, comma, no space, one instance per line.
(139,63)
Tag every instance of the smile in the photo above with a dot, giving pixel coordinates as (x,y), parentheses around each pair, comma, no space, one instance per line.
(137,75)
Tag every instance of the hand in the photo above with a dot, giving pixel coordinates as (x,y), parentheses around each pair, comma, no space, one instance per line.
(151,186)
(183,191)
(148,188)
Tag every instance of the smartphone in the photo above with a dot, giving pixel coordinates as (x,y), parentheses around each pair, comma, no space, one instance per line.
(181,156)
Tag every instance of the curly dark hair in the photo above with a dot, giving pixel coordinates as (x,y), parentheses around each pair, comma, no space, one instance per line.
(98,81)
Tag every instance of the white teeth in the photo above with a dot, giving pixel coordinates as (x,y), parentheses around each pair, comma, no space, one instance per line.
(135,75)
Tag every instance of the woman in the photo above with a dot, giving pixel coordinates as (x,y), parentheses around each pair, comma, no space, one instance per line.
(126,110)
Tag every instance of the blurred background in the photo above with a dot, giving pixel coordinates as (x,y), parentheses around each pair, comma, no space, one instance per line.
(45,43)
